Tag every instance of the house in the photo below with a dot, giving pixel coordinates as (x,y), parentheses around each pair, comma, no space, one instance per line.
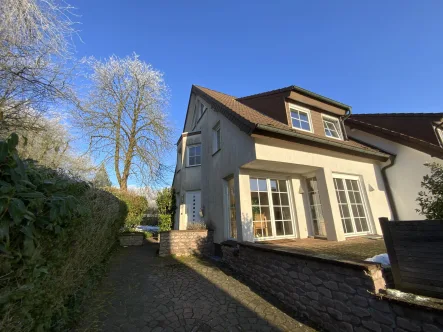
(276,165)
(412,139)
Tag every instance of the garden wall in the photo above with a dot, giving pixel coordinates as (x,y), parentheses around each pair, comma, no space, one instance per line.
(336,295)
(186,243)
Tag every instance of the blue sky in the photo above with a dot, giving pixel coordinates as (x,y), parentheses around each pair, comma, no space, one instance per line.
(375,56)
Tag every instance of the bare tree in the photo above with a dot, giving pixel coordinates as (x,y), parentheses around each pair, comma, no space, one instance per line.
(124,117)
(53,146)
(35,46)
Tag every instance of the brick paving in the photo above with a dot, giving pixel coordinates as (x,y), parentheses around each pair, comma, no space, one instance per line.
(143,292)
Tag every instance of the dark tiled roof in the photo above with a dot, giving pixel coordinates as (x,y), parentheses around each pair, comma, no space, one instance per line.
(250,119)
(412,129)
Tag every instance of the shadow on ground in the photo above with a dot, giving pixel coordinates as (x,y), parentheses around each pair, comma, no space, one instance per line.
(143,292)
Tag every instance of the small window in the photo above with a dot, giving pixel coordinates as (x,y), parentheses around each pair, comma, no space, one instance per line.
(300,118)
(332,127)
(216,138)
(194,155)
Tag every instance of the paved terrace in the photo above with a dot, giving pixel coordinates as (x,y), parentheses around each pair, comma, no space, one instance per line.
(143,292)
(353,249)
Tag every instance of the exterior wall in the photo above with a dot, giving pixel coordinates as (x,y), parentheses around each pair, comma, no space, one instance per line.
(186,243)
(336,295)
(325,163)
(405,176)
(237,148)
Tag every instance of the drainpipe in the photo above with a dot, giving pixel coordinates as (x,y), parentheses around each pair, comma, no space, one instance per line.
(342,123)
(388,188)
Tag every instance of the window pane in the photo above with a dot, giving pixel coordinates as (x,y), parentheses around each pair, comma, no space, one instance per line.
(277,213)
(191,161)
(273,185)
(358,225)
(286,213)
(342,197)
(345,210)
(284,199)
(256,213)
(254,198)
(294,115)
(279,228)
(354,210)
(265,214)
(282,186)
(276,198)
(305,126)
(253,184)
(364,224)
(198,160)
(191,152)
(339,184)
(357,197)
(296,123)
(264,198)
(303,116)
(198,149)
(269,229)
(288,227)
(262,185)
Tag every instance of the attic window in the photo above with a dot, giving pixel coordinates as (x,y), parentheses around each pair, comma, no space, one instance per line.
(332,127)
(301,118)
(199,110)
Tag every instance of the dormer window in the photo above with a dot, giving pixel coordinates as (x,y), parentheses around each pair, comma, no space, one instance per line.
(301,118)
(332,127)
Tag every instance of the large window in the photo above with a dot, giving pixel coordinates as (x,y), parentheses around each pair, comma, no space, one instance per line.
(352,208)
(271,210)
(332,127)
(318,221)
(194,155)
(300,118)
(216,138)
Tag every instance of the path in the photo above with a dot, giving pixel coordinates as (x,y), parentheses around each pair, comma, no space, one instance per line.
(143,292)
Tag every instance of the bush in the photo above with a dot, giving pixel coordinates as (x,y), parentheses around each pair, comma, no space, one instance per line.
(164,222)
(136,204)
(166,202)
(55,232)
(430,199)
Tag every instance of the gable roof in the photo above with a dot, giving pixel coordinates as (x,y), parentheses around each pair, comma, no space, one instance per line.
(252,121)
(415,130)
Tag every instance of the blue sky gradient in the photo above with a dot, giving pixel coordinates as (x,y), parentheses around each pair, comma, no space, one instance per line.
(375,56)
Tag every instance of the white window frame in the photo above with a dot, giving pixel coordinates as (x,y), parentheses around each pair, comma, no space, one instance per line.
(268,178)
(334,119)
(296,108)
(364,201)
(216,138)
(187,153)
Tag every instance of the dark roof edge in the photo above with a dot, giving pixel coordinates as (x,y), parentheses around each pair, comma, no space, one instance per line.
(301,91)
(412,142)
(396,114)
(379,155)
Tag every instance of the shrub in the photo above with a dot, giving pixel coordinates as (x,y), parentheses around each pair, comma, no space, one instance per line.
(164,222)
(136,204)
(55,232)
(430,199)
(166,202)
(147,234)
(196,226)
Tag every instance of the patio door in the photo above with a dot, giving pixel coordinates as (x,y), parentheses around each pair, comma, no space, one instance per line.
(271,208)
(351,203)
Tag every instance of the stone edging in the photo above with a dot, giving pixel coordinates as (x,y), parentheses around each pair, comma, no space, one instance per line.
(366,266)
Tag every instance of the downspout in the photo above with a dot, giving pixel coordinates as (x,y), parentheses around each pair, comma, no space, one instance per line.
(343,118)
(388,188)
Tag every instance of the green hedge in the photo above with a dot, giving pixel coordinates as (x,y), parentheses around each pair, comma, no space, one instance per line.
(164,222)
(137,205)
(55,233)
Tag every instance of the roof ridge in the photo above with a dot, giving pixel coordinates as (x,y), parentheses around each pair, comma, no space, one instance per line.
(202,87)
(266,93)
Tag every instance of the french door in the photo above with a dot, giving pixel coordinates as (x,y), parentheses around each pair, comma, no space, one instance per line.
(271,208)
(351,203)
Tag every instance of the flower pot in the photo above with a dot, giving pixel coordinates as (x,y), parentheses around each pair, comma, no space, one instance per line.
(131,239)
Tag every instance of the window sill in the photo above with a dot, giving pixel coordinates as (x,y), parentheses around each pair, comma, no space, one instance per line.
(193,166)
(216,152)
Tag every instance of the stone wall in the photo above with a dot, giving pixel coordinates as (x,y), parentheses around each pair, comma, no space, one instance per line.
(336,295)
(186,243)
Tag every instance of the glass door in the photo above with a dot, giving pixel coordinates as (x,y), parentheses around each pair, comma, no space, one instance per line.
(351,204)
(271,208)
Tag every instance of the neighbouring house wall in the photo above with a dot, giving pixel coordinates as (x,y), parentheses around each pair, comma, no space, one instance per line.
(186,243)
(405,176)
(325,163)
(337,295)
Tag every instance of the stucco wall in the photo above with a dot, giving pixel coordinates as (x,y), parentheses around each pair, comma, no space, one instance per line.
(405,176)
(337,295)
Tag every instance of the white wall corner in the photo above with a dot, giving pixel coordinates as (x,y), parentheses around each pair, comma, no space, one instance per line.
(301,218)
